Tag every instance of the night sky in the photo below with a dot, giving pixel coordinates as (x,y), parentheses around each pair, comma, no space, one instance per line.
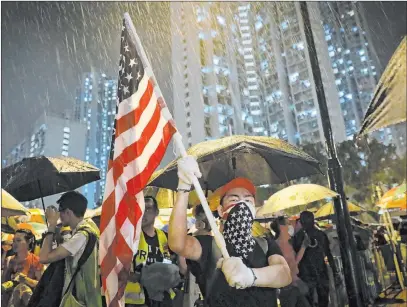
(46,46)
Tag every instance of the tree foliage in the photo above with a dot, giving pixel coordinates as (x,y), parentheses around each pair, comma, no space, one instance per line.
(364,165)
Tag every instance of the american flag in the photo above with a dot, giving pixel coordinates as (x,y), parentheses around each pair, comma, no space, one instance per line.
(142,131)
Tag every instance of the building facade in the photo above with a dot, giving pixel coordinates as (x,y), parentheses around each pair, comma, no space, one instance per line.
(95,107)
(52,136)
(254,70)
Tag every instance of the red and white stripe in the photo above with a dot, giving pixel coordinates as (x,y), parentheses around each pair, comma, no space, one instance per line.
(144,128)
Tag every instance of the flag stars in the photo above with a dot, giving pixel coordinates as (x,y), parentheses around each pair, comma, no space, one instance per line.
(125,90)
(129,77)
(132,62)
(126,48)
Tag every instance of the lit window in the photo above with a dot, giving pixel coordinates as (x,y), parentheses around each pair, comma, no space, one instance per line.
(354,29)
(66,129)
(340,61)
(328,37)
(336,70)
(363,58)
(65,153)
(65,141)
(221,20)
(330,48)
(351,13)
(340,94)
(339,49)
(338,81)
(65,147)
(347,51)
(284,25)
(361,52)
(348,96)
(351,68)
(331,53)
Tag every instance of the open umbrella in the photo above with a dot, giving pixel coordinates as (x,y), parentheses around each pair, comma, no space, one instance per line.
(295,195)
(10,206)
(37,177)
(263,160)
(327,210)
(36,228)
(388,106)
(394,198)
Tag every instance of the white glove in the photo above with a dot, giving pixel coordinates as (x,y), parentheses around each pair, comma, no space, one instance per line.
(237,274)
(187,169)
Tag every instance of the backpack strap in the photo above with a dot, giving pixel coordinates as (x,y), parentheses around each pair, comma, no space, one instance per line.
(90,245)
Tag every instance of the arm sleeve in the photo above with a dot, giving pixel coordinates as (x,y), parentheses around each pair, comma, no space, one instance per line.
(273,248)
(75,244)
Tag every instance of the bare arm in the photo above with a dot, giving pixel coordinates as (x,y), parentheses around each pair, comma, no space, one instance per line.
(276,275)
(178,240)
(47,254)
(182,264)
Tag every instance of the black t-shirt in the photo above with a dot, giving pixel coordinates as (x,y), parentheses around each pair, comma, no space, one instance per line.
(312,266)
(155,255)
(219,292)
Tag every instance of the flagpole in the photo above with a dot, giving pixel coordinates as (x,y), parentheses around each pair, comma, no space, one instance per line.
(220,241)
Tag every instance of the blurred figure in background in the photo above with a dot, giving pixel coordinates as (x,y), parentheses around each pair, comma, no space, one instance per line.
(294,294)
(312,267)
(21,271)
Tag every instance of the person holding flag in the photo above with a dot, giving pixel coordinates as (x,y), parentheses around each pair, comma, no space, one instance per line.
(251,275)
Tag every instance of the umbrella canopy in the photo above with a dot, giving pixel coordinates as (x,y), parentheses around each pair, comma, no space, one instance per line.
(388,106)
(394,198)
(36,215)
(263,160)
(37,177)
(328,209)
(367,217)
(10,206)
(295,195)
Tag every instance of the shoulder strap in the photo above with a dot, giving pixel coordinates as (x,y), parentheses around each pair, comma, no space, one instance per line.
(90,245)
(263,244)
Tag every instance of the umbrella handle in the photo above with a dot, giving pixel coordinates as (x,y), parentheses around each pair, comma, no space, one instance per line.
(43,205)
(220,241)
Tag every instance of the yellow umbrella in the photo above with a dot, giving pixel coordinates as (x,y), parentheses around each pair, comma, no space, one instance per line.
(11,206)
(258,230)
(295,195)
(328,209)
(37,216)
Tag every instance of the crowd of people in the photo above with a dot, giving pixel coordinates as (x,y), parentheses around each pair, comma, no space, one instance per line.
(287,265)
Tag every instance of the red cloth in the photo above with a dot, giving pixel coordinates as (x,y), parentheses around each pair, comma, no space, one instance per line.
(237,183)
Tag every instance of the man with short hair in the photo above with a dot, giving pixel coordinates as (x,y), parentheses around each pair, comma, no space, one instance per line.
(152,249)
(85,285)
(249,277)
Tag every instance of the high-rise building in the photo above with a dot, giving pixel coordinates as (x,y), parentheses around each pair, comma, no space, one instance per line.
(254,69)
(95,106)
(52,136)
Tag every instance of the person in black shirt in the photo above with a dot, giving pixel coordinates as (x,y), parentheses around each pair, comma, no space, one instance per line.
(312,267)
(255,268)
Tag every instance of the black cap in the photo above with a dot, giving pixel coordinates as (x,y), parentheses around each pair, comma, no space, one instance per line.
(74,201)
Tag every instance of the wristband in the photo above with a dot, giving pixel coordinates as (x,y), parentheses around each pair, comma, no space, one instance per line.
(184,190)
(49,233)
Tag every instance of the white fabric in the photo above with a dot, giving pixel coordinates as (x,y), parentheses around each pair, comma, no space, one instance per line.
(187,169)
(75,245)
(237,274)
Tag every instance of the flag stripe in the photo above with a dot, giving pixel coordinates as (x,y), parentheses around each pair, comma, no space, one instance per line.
(128,105)
(131,118)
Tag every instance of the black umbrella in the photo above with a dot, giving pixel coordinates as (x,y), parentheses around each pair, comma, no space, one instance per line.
(264,160)
(37,177)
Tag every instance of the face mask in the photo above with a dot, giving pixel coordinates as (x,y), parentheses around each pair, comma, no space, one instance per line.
(238,230)
(291,230)
(231,206)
